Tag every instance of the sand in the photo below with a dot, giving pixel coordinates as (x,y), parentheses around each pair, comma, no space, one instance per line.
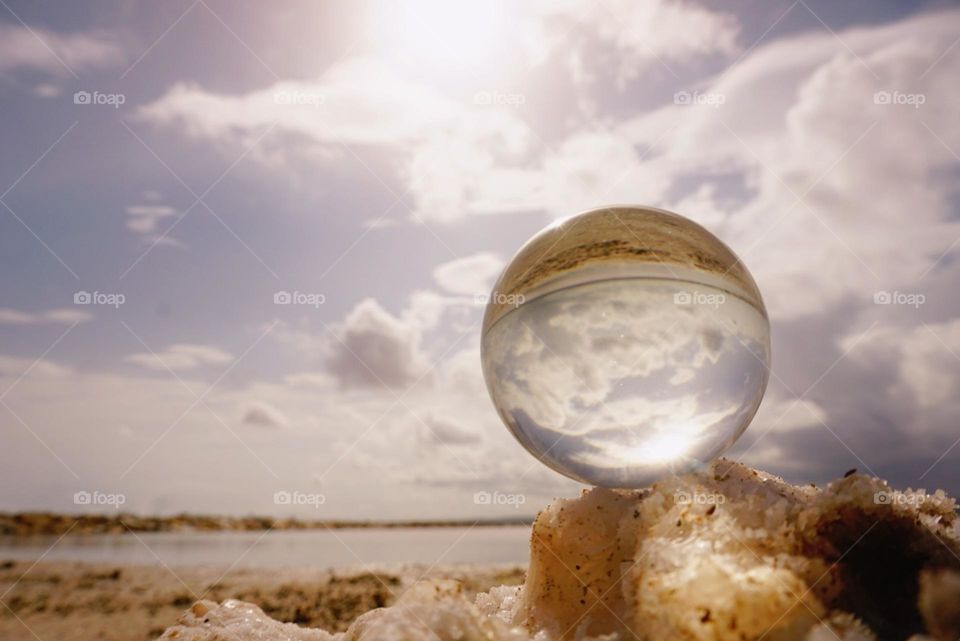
(66,601)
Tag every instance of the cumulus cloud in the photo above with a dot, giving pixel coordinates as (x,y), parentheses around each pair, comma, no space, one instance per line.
(799,154)
(924,360)
(50,317)
(837,148)
(375,349)
(54,53)
(458,158)
(182,356)
(357,102)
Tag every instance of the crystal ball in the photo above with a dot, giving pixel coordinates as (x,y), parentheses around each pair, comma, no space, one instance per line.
(624,344)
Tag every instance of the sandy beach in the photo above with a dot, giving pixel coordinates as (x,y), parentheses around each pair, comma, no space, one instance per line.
(84,601)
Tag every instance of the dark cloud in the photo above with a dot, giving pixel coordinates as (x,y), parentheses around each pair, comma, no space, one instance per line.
(375,349)
(449,432)
(264,415)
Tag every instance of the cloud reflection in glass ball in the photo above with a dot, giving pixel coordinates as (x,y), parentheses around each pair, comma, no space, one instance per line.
(624,344)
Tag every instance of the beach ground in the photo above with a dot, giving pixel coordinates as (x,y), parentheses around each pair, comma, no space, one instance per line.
(68,601)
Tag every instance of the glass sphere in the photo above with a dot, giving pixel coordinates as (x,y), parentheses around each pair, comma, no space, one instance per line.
(624,344)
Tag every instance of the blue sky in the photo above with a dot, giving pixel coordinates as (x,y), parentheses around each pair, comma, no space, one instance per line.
(387,161)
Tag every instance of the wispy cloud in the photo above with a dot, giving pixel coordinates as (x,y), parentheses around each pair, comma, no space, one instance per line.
(181,356)
(145,221)
(49,317)
(471,275)
(38,49)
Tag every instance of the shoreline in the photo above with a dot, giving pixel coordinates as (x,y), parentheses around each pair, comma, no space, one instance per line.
(36,524)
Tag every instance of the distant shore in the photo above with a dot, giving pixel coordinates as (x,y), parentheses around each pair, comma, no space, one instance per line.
(26,524)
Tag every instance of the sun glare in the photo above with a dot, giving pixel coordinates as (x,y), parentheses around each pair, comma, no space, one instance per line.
(440,34)
(667,447)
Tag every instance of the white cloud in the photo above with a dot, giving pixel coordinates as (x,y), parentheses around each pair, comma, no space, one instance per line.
(50,317)
(182,356)
(862,230)
(586,169)
(703,206)
(358,101)
(39,49)
(375,349)
(461,159)
(470,275)
(643,34)
(799,117)
(425,308)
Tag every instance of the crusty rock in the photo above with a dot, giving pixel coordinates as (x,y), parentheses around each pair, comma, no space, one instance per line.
(434,610)
(236,620)
(727,554)
(578,549)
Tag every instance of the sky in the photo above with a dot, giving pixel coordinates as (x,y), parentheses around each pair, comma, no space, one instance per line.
(242,245)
